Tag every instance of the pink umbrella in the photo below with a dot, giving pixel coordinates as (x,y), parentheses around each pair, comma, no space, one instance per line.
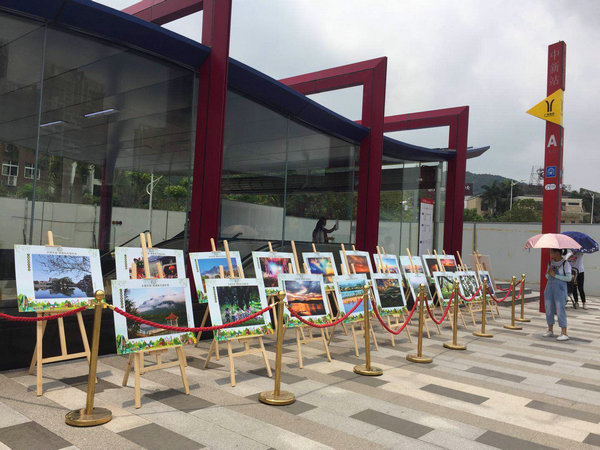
(551,240)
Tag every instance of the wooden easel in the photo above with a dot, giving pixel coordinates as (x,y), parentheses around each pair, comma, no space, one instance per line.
(38,360)
(441,300)
(426,316)
(479,267)
(206,311)
(245,340)
(137,359)
(301,338)
(382,269)
(474,305)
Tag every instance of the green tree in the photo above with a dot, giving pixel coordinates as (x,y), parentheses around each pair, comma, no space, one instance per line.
(133,328)
(527,210)
(26,191)
(470,215)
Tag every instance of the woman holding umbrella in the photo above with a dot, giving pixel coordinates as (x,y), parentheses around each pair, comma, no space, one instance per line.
(588,245)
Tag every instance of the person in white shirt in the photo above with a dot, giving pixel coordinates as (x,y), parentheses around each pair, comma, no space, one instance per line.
(577,263)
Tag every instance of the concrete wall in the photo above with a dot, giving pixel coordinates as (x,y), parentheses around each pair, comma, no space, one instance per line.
(504,243)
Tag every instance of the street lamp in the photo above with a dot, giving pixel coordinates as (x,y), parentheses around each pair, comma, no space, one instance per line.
(592,214)
(513,183)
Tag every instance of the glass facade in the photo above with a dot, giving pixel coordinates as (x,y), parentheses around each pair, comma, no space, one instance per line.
(280,177)
(96,142)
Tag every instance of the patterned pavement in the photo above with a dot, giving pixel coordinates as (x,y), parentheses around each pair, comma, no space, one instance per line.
(517,390)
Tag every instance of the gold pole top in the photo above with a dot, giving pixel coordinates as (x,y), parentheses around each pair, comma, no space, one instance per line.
(99,295)
(514,278)
(281,295)
(523,276)
(485,282)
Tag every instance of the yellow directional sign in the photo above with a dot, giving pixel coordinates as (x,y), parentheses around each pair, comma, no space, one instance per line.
(550,109)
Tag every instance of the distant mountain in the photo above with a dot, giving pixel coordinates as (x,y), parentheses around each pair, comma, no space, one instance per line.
(481,179)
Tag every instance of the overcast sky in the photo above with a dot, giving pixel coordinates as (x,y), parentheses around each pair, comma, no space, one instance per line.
(490,55)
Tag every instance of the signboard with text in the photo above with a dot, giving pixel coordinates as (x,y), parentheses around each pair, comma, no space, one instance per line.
(425,226)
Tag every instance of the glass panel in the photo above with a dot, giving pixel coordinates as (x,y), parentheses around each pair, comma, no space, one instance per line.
(21,47)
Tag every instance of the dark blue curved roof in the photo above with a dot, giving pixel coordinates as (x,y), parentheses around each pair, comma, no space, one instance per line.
(121,28)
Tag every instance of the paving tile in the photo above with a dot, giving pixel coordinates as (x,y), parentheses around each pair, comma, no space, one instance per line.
(564,411)
(578,339)
(30,435)
(198,363)
(591,366)
(155,437)
(592,439)
(455,394)
(506,442)
(298,407)
(555,348)
(9,416)
(81,383)
(240,377)
(178,400)
(286,377)
(579,385)
(392,423)
(351,376)
(496,374)
(528,359)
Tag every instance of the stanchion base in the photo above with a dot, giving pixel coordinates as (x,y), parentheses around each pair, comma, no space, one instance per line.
(480,334)
(361,369)
(78,417)
(522,320)
(284,398)
(419,359)
(513,327)
(456,346)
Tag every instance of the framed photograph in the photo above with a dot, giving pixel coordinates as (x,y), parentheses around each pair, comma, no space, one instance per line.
(387,264)
(205,266)
(349,290)
(444,285)
(305,295)
(268,266)
(233,299)
(414,281)
(321,263)
(484,275)
(361,261)
(413,265)
(56,278)
(164,301)
(468,284)
(389,292)
(170,260)
(431,264)
(448,262)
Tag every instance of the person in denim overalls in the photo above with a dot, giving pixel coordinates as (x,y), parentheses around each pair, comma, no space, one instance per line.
(555,294)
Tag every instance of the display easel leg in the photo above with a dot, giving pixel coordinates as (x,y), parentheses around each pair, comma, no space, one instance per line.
(265,356)
(38,353)
(35,355)
(355,342)
(182,360)
(231,363)
(323,336)
(299,345)
(138,363)
(128,369)
(389,321)
(210,352)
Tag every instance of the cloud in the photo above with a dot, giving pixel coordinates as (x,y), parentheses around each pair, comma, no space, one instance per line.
(489,55)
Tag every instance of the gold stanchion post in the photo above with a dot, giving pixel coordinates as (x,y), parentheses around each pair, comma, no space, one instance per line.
(367,369)
(419,358)
(522,318)
(512,325)
(277,397)
(454,345)
(91,416)
(482,333)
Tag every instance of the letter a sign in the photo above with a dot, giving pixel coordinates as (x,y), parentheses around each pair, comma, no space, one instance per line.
(550,108)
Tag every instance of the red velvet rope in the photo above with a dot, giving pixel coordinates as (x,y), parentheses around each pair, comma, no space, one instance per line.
(324,325)
(399,330)
(472,298)
(518,297)
(502,299)
(185,329)
(41,318)
(508,288)
(445,312)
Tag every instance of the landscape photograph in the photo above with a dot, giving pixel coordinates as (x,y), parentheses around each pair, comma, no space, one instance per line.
(351,291)
(168,263)
(432,264)
(322,265)
(163,305)
(449,264)
(415,281)
(388,263)
(271,267)
(61,276)
(305,297)
(239,302)
(445,285)
(359,263)
(390,292)
(468,285)
(209,268)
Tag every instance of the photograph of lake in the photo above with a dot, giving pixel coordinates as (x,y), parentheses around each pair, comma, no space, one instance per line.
(390,292)
(61,276)
(163,305)
(305,297)
(351,291)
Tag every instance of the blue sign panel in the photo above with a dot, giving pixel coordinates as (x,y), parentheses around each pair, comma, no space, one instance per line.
(551,172)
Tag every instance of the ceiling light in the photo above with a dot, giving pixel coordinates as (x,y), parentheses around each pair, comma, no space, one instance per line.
(105,112)
(49,124)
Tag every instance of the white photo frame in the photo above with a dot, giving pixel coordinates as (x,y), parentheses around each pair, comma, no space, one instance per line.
(469,283)
(321,263)
(484,274)
(205,266)
(414,281)
(361,261)
(268,265)
(389,292)
(231,299)
(407,264)
(159,300)
(448,262)
(444,285)
(305,295)
(348,290)
(56,278)
(171,260)
(431,264)
(387,263)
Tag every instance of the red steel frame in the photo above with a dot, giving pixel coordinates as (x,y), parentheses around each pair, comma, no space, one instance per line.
(457,119)
(371,75)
